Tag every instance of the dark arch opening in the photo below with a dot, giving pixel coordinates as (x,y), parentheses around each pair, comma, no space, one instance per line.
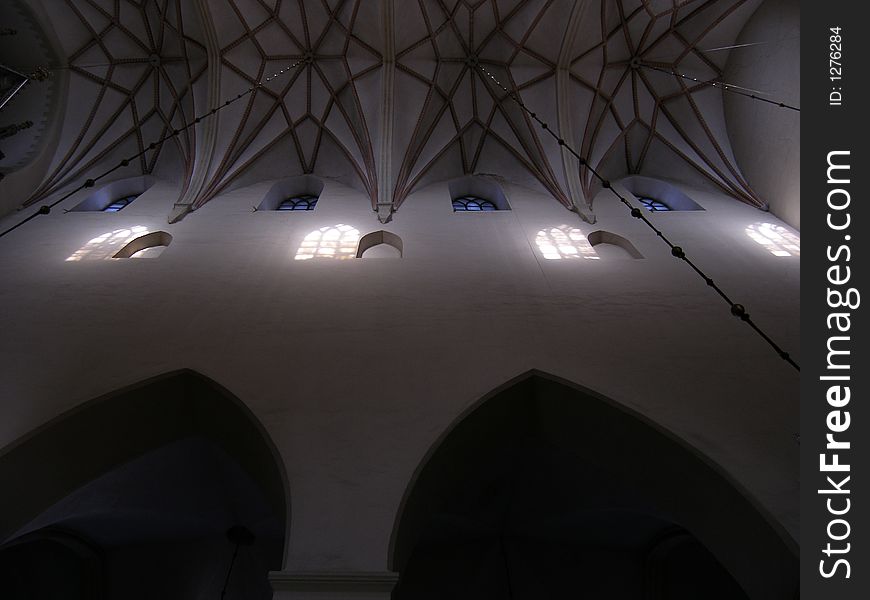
(71,559)
(152,477)
(546,489)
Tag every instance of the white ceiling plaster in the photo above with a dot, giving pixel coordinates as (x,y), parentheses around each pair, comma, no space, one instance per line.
(387,96)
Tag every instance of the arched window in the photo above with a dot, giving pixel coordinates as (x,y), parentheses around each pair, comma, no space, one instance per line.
(472,204)
(293,194)
(305,202)
(653,205)
(120,203)
(477,193)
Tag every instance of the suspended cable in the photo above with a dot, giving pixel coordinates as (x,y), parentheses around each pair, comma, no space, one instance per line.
(94,66)
(727,87)
(733,47)
(738,310)
(89,183)
(507,569)
(736,46)
(229,572)
(239,536)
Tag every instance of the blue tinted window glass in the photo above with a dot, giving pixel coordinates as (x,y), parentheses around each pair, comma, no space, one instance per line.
(120,204)
(653,205)
(305,202)
(472,204)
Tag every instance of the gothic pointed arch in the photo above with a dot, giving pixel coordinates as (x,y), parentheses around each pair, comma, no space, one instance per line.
(154,475)
(545,488)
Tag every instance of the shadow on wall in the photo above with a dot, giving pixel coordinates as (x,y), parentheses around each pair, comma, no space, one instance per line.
(145,480)
(548,490)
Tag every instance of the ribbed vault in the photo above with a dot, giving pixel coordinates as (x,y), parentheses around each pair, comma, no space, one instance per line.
(318,117)
(134,68)
(391,96)
(640,118)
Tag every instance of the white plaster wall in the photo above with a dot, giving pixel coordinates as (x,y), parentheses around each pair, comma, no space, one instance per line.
(766,138)
(356,367)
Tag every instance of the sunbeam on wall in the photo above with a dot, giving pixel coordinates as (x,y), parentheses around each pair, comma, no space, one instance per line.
(337,242)
(778,240)
(106,245)
(564,242)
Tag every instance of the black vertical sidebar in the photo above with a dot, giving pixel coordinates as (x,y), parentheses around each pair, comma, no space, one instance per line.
(835,224)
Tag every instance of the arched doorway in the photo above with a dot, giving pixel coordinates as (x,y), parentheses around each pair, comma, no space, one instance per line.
(148,480)
(548,490)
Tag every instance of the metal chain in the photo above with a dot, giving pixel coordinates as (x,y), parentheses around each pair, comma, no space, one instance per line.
(738,310)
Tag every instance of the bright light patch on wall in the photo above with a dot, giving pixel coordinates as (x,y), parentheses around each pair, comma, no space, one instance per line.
(778,240)
(564,242)
(337,242)
(106,245)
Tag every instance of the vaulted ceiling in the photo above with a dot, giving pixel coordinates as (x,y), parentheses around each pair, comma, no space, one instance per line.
(389,96)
